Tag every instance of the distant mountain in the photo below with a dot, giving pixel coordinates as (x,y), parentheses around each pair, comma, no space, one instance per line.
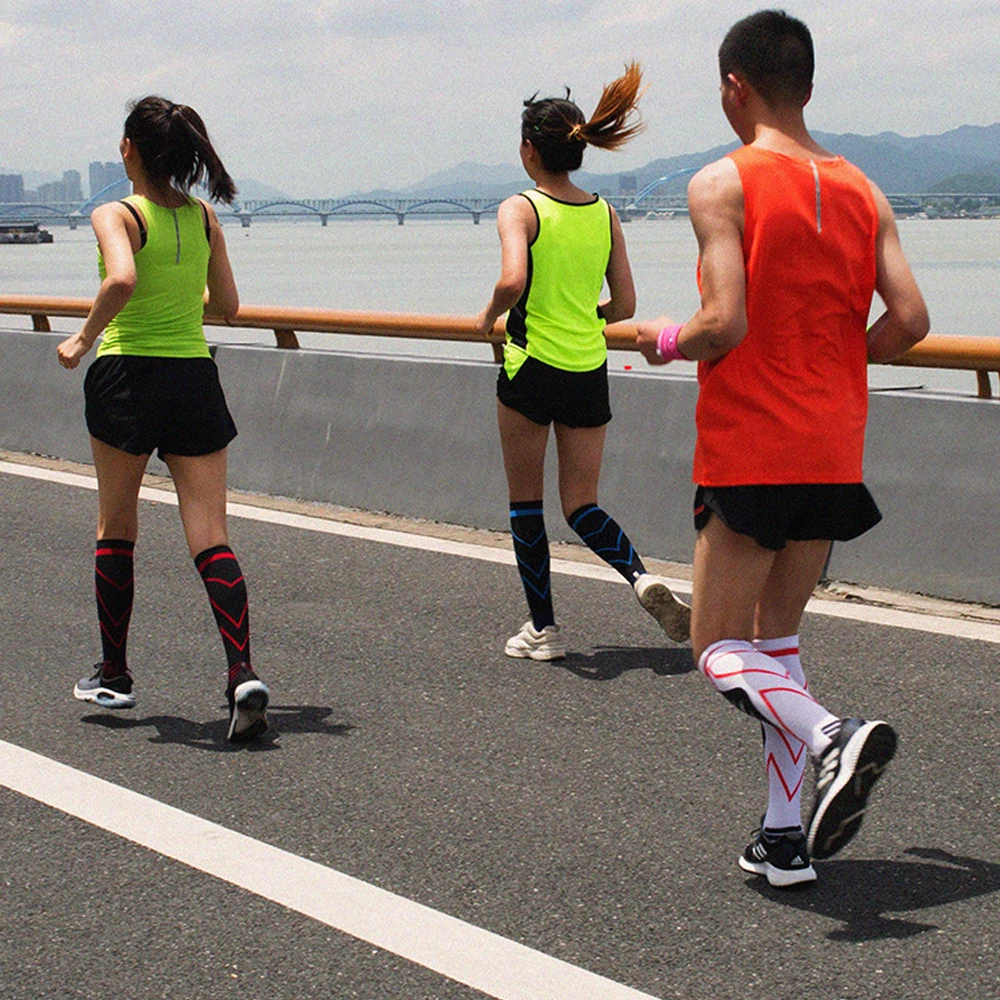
(251,190)
(902,165)
(898,164)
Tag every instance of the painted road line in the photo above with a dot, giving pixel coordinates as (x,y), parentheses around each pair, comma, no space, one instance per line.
(959,628)
(453,948)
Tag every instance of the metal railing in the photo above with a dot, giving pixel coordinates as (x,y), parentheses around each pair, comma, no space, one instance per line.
(980,355)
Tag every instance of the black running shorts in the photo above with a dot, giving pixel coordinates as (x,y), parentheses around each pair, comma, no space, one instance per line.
(173,405)
(774,515)
(548,395)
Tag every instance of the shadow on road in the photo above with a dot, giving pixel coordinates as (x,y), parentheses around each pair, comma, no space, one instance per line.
(211,736)
(860,894)
(608,662)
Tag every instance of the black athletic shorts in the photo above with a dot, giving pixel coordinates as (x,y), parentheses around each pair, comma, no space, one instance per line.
(545,394)
(140,404)
(774,515)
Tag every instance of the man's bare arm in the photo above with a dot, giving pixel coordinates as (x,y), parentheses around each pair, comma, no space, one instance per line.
(715,202)
(905,321)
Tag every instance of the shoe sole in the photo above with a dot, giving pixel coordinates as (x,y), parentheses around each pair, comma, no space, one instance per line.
(547,655)
(838,816)
(779,878)
(106,698)
(673,616)
(250,704)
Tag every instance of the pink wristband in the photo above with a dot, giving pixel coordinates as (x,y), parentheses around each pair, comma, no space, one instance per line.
(666,343)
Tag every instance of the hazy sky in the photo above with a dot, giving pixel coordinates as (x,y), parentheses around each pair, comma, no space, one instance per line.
(322,97)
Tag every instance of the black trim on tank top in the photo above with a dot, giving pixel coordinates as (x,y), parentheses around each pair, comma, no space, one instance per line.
(143,234)
(208,225)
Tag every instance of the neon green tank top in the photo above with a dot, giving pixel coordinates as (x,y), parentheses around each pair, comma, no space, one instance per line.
(555,320)
(163,318)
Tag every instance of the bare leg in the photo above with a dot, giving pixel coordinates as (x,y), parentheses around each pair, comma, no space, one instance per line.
(200,481)
(523,443)
(581,451)
(119,477)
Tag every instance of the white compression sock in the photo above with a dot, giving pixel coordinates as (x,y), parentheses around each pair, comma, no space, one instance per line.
(760,686)
(784,755)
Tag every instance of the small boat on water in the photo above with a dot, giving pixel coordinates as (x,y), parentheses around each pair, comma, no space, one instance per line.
(23,232)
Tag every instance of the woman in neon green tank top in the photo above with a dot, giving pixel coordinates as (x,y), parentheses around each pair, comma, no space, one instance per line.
(154,386)
(559,245)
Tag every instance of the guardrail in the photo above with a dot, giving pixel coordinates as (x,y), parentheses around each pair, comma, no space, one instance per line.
(975,354)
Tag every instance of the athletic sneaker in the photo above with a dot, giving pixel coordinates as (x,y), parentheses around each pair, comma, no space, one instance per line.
(782,857)
(248,697)
(845,776)
(536,644)
(108,692)
(656,597)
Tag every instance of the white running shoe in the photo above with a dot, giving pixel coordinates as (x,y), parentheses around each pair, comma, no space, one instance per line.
(656,597)
(535,644)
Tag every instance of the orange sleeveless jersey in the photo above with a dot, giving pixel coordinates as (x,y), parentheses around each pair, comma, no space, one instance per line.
(789,404)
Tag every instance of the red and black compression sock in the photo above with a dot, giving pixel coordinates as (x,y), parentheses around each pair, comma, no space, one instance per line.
(227,593)
(114,584)
(531,549)
(602,534)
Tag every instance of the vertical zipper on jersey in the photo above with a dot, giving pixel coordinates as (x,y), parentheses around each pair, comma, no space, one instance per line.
(819,198)
(177,231)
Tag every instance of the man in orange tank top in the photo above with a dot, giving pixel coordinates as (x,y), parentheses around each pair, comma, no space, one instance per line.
(793,242)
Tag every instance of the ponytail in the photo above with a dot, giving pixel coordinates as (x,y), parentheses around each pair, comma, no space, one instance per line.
(615,119)
(558,129)
(173,145)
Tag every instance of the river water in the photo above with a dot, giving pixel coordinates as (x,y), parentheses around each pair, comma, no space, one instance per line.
(449,266)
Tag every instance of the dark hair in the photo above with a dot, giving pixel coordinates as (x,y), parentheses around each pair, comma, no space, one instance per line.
(557,128)
(774,52)
(173,145)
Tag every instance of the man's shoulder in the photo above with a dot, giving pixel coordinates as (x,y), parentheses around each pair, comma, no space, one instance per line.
(718,180)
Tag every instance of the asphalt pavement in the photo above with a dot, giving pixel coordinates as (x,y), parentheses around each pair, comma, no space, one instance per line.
(591,810)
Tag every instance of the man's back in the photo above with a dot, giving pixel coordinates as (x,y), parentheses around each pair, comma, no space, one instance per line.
(788,405)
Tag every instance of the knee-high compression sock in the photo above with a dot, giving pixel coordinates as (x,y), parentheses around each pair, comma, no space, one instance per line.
(784,755)
(602,534)
(531,549)
(114,584)
(760,686)
(227,593)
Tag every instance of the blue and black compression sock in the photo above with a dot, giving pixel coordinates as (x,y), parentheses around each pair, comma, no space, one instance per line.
(602,534)
(531,549)
(114,584)
(227,593)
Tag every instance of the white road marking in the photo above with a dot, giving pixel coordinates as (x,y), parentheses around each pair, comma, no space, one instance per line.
(453,948)
(958,628)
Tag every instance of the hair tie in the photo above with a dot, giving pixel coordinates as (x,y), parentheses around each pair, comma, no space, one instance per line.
(576,132)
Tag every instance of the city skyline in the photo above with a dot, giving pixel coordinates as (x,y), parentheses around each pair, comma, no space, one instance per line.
(347,95)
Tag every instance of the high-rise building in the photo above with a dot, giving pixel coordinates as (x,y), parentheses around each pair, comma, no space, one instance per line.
(102,175)
(11,187)
(71,179)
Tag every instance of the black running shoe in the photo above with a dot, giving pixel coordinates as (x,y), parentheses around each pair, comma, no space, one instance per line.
(108,692)
(845,776)
(781,857)
(247,696)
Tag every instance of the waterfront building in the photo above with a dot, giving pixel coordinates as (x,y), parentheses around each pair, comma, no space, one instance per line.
(101,175)
(66,190)
(11,187)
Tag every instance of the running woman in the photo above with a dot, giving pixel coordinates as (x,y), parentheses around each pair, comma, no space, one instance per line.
(154,385)
(559,245)
(793,243)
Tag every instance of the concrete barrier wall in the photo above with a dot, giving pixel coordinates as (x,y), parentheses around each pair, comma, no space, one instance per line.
(418,438)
